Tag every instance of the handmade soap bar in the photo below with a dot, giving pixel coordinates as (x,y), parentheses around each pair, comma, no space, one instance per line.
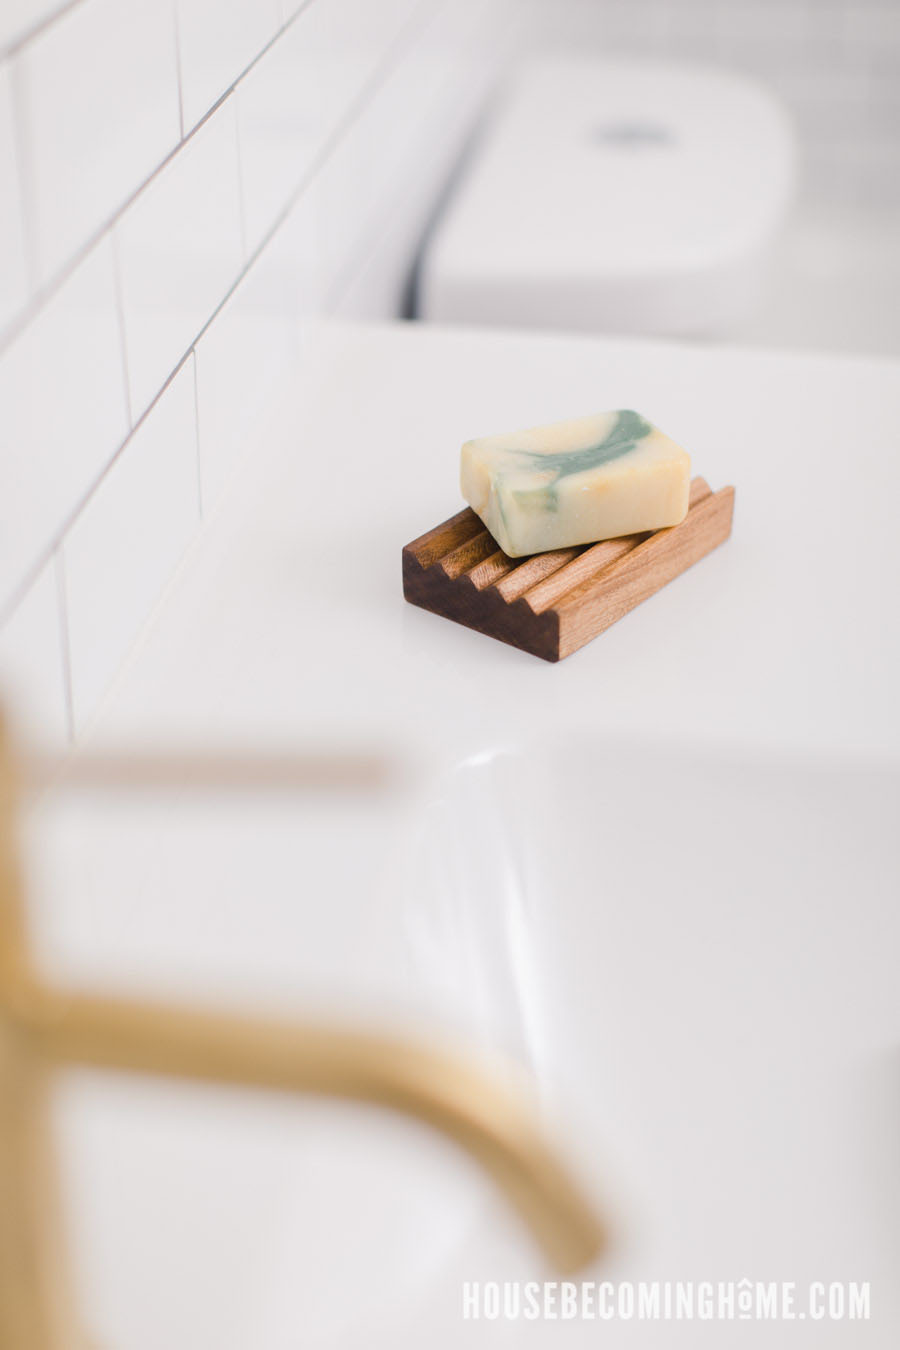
(575,482)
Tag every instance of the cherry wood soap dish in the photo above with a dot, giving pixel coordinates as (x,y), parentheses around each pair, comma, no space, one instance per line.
(553,603)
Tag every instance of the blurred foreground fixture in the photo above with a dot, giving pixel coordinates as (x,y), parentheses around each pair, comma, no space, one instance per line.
(43,1027)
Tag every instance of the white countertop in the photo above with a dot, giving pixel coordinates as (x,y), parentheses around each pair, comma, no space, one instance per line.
(288,620)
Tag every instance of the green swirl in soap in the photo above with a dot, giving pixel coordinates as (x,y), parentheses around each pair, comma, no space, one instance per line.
(628,429)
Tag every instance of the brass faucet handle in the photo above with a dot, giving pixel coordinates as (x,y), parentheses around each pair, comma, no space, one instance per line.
(43,1027)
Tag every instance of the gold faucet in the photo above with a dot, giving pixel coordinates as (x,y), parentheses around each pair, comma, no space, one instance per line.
(43,1027)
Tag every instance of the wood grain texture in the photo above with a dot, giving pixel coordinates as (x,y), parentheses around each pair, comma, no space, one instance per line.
(553,603)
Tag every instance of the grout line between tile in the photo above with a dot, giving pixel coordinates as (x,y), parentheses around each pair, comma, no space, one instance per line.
(379,75)
(38,28)
(42,295)
(68,521)
(120,317)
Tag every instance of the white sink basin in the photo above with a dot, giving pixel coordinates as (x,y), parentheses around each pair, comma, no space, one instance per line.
(693,952)
(705,946)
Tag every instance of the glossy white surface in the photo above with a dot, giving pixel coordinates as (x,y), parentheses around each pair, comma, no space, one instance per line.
(100,112)
(704,945)
(54,444)
(180,247)
(126,542)
(19,17)
(349,41)
(714,1016)
(279,127)
(243,357)
(255,1214)
(216,43)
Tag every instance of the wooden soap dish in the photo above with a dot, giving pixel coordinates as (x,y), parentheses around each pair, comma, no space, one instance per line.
(553,603)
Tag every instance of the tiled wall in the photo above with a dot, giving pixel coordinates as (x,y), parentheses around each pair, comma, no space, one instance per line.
(836,63)
(186,184)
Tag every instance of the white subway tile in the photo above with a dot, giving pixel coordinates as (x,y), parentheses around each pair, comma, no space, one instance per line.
(280,125)
(180,250)
(302,91)
(350,39)
(13,273)
(347,183)
(32,665)
(125,544)
(364,169)
(19,17)
(251,344)
(217,40)
(100,105)
(62,412)
(446,74)
(365,172)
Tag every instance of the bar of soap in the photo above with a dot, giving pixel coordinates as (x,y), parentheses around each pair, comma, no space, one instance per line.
(575,482)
